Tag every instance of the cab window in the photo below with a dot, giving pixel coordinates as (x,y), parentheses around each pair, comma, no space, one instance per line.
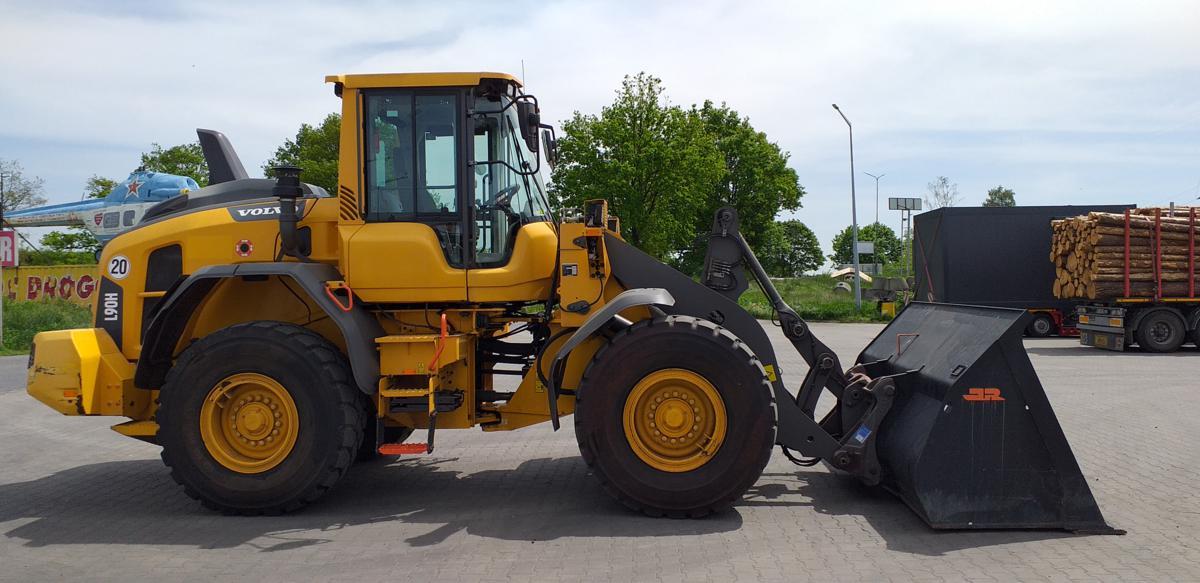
(411,156)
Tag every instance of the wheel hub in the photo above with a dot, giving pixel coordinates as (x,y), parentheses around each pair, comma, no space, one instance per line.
(1160,332)
(249,423)
(674,420)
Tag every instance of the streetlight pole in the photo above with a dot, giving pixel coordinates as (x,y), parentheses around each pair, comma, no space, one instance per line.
(876,192)
(853,218)
(14,250)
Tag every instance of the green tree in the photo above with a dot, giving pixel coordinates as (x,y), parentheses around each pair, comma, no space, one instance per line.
(98,186)
(1000,196)
(315,150)
(757,180)
(20,191)
(887,246)
(77,240)
(654,162)
(790,249)
(181,160)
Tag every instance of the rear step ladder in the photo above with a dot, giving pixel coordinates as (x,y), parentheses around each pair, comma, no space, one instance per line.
(430,392)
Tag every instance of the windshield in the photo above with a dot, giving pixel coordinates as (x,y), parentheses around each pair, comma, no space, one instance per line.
(504,198)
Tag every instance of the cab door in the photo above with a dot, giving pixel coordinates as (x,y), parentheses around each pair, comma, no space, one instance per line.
(513,243)
(409,247)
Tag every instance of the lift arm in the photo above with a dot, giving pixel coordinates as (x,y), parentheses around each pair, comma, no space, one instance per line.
(862,401)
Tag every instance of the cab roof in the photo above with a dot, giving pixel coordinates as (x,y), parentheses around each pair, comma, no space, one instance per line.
(380,80)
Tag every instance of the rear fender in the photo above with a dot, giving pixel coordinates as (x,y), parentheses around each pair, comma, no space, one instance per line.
(357,327)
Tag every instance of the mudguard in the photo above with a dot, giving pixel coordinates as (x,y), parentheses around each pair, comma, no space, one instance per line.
(627,299)
(162,335)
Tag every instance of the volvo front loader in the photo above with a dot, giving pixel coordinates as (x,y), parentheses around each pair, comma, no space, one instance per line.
(266,334)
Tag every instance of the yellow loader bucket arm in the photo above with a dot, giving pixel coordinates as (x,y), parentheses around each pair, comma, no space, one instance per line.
(938,379)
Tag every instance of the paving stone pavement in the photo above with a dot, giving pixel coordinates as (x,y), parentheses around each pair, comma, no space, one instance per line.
(78,501)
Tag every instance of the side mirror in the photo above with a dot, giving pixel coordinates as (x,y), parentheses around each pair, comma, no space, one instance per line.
(530,119)
(551,146)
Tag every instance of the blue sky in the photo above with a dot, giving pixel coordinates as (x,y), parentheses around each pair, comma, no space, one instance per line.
(1064,102)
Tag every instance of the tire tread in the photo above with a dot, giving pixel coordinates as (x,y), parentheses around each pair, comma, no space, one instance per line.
(589,454)
(329,360)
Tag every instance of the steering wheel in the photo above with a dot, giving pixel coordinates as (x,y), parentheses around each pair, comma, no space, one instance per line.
(503,199)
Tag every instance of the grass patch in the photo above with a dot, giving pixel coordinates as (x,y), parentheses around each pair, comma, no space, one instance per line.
(24,319)
(814,299)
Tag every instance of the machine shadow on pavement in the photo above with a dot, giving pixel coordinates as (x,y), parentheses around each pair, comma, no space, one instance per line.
(883,513)
(540,500)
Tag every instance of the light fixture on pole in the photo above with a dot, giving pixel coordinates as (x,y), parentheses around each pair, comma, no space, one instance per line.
(853,218)
(876,192)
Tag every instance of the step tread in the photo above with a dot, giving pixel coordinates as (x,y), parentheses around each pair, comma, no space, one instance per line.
(403,448)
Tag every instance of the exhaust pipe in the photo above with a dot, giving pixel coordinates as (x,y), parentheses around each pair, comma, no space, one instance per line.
(287,188)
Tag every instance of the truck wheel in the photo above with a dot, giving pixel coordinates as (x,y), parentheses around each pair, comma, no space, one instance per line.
(675,417)
(1041,326)
(1161,332)
(259,418)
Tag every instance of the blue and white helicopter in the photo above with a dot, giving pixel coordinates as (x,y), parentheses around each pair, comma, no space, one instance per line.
(153,195)
(109,216)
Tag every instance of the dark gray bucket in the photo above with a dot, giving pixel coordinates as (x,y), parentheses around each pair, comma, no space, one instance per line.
(971,440)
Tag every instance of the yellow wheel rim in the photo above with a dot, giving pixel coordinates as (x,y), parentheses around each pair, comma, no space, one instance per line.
(674,420)
(249,423)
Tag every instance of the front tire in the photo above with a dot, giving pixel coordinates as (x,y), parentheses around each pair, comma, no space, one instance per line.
(259,418)
(675,417)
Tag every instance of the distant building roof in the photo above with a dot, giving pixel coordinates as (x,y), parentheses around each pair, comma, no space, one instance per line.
(850,271)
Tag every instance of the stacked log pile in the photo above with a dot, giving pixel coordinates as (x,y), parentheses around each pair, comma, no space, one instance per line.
(1089,254)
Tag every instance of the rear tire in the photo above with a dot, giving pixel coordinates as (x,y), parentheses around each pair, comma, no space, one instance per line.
(1161,331)
(207,406)
(1041,326)
(666,353)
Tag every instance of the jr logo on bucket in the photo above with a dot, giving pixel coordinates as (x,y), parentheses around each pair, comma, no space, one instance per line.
(988,394)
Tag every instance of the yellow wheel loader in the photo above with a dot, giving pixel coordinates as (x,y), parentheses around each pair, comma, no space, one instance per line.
(267,333)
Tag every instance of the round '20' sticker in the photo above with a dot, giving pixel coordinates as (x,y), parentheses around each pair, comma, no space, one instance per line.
(118,267)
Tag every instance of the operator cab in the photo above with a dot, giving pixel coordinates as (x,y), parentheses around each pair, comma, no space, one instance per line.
(450,159)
